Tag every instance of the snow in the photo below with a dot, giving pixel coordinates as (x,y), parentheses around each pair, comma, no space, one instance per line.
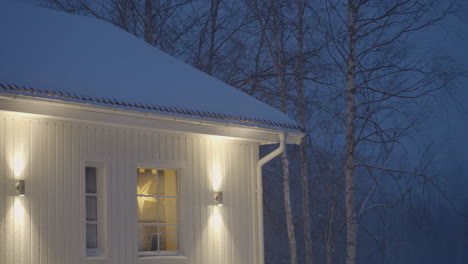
(47,49)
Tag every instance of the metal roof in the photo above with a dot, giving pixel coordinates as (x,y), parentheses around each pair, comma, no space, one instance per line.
(155,108)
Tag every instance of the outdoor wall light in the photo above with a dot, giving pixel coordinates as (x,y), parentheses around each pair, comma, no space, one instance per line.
(218,197)
(20,188)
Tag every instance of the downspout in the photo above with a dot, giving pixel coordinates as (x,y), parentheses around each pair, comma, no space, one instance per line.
(267,158)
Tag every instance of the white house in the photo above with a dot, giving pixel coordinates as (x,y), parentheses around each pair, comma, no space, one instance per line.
(114,152)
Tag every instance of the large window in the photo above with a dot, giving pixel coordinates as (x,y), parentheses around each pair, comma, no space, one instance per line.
(157,202)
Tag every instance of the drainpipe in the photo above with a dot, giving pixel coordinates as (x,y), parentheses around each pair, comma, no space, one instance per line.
(267,158)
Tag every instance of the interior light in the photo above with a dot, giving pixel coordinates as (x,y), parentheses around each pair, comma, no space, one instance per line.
(218,197)
(20,188)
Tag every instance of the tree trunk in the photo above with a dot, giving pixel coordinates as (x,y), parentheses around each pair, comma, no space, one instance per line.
(351,223)
(213,21)
(303,153)
(276,52)
(287,207)
(148,22)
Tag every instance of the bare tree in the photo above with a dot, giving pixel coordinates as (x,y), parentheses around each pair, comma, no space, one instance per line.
(302,121)
(369,47)
(344,69)
(271,26)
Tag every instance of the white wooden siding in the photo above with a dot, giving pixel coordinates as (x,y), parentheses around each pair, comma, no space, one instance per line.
(47,225)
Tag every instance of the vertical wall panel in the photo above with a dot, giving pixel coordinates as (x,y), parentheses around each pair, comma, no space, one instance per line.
(98,140)
(155,149)
(34,192)
(26,175)
(75,224)
(91,139)
(204,202)
(52,197)
(131,140)
(237,210)
(112,173)
(188,203)
(169,148)
(106,141)
(84,135)
(59,193)
(162,147)
(67,192)
(9,198)
(209,201)
(18,221)
(225,232)
(198,227)
(140,145)
(3,207)
(228,179)
(122,238)
(51,225)
(148,145)
(43,194)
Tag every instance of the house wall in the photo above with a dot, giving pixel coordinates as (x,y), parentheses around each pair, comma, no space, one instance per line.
(47,226)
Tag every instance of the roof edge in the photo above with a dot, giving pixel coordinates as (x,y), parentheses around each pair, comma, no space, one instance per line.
(121,104)
(47,107)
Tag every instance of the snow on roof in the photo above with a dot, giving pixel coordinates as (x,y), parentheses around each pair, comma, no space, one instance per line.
(46,53)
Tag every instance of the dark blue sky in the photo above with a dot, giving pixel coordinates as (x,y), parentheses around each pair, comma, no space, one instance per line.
(450,124)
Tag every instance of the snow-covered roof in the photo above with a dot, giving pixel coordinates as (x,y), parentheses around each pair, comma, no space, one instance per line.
(50,54)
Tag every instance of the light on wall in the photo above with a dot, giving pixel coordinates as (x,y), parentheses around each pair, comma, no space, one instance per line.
(20,188)
(218,197)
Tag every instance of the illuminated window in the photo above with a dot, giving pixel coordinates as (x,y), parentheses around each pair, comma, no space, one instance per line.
(157,204)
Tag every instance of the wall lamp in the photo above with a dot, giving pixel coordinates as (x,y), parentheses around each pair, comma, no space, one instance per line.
(20,188)
(218,198)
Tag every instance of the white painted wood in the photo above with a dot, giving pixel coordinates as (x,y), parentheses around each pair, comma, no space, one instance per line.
(34,192)
(75,194)
(51,228)
(3,169)
(43,192)
(60,194)
(9,198)
(123,239)
(67,192)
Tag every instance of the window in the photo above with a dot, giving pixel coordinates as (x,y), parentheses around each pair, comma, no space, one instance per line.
(94,210)
(157,203)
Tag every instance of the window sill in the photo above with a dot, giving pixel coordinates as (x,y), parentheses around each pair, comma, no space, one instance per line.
(96,259)
(162,259)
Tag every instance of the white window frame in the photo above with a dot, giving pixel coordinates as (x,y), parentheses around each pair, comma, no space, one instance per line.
(178,167)
(101,194)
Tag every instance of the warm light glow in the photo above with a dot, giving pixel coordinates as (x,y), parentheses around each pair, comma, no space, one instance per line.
(18,163)
(144,190)
(217,179)
(141,170)
(19,211)
(154,171)
(217,219)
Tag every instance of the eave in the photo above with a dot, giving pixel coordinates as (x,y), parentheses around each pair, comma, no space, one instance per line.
(111,116)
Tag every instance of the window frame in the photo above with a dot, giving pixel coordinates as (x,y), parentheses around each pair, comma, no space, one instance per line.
(101,251)
(178,168)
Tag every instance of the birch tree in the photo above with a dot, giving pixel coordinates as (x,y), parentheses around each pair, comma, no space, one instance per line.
(384,79)
(269,20)
(302,121)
